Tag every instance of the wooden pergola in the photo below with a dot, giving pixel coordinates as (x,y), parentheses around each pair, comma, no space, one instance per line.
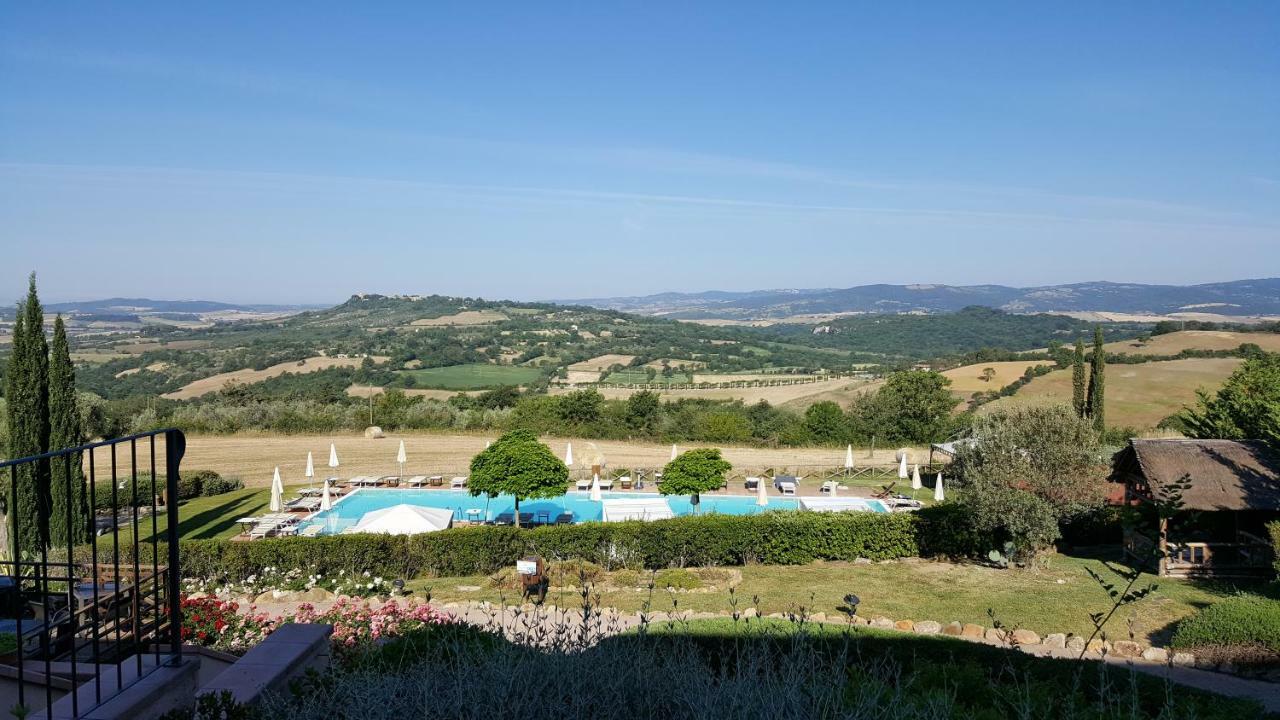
(1232,491)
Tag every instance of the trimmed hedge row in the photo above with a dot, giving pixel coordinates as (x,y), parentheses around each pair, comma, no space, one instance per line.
(1241,621)
(769,538)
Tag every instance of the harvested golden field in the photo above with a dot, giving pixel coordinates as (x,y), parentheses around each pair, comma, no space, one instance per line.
(1174,343)
(466,317)
(363,391)
(968,379)
(137,348)
(792,396)
(215,383)
(254,457)
(602,363)
(1138,396)
(745,377)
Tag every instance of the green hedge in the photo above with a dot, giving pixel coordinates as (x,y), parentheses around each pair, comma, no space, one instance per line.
(781,538)
(1244,620)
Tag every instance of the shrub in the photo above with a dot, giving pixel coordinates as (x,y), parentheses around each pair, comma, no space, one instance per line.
(124,496)
(1274,529)
(677,579)
(218,485)
(774,538)
(1243,624)
(191,484)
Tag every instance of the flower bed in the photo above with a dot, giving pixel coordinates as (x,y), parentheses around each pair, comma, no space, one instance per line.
(278,579)
(357,625)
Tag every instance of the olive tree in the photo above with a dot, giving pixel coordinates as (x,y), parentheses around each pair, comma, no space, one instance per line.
(694,472)
(517,464)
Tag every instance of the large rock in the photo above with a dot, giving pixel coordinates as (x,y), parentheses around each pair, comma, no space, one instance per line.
(905,625)
(1076,643)
(1056,640)
(953,629)
(1022,636)
(928,627)
(1155,654)
(373,432)
(818,617)
(972,631)
(882,622)
(750,612)
(1184,659)
(1126,649)
(1098,646)
(995,635)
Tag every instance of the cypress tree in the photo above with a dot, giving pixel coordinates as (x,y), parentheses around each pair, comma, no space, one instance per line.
(1078,400)
(1097,383)
(27,393)
(67,481)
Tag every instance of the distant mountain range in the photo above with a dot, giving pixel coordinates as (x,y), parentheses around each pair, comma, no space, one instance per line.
(1239,298)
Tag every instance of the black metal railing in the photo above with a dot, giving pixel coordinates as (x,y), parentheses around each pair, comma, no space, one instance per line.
(99,595)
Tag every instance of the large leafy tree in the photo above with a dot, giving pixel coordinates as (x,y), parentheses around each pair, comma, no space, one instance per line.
(67,490)
(915,406)
(1096,401)
(1246,407)
(517,464)
(1029,469)
(644,411)
(1078,383)
(694,472)
(27,393)
(827,423)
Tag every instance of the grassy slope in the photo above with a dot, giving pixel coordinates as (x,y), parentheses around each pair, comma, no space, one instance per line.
(466,377)
(1137,395)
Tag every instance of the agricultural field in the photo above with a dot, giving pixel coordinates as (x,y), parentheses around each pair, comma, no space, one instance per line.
(1138,396)
(466,317)
(253,457)
(472,376)
(1174,343)
(795,397)
(968,379)
(364,391)
(602,363)
(638,376)
(214,383)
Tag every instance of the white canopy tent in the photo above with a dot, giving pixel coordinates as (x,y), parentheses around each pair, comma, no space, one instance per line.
(404,520)
(636,509)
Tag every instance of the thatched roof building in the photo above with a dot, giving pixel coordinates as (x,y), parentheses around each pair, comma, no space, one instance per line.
(1233,487)
(1223,474)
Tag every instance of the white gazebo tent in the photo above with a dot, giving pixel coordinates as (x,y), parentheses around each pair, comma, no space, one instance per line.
(619,510)
(404,519)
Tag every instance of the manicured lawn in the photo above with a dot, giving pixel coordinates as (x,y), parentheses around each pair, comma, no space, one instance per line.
(472,377)
(1056,598)
(212,517)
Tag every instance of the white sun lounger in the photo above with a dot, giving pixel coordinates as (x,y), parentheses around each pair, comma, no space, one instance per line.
(311,530)
(787,488)
(416,481)
(584,484)
(606,484)
(309,504)
(458,482)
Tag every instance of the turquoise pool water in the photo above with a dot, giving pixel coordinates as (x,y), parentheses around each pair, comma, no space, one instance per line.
(348,511)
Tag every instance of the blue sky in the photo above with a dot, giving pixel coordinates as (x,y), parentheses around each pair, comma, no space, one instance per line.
(298,153)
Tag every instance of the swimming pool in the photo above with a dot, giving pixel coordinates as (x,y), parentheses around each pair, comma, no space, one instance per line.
(348,510)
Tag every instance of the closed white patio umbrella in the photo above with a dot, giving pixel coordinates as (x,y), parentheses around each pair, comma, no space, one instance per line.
(938,495)
(277,492)
(595,488)
(311,469)
(902,467)
(762,494)
(568,454)
(673,451)
(915,478)
(326,500)
(401,458)
(333,456)
(848,458)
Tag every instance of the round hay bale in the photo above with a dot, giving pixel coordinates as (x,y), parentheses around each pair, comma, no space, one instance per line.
(373,432)
(902,453)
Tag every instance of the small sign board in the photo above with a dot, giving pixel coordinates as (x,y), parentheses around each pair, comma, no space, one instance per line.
(527,567)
